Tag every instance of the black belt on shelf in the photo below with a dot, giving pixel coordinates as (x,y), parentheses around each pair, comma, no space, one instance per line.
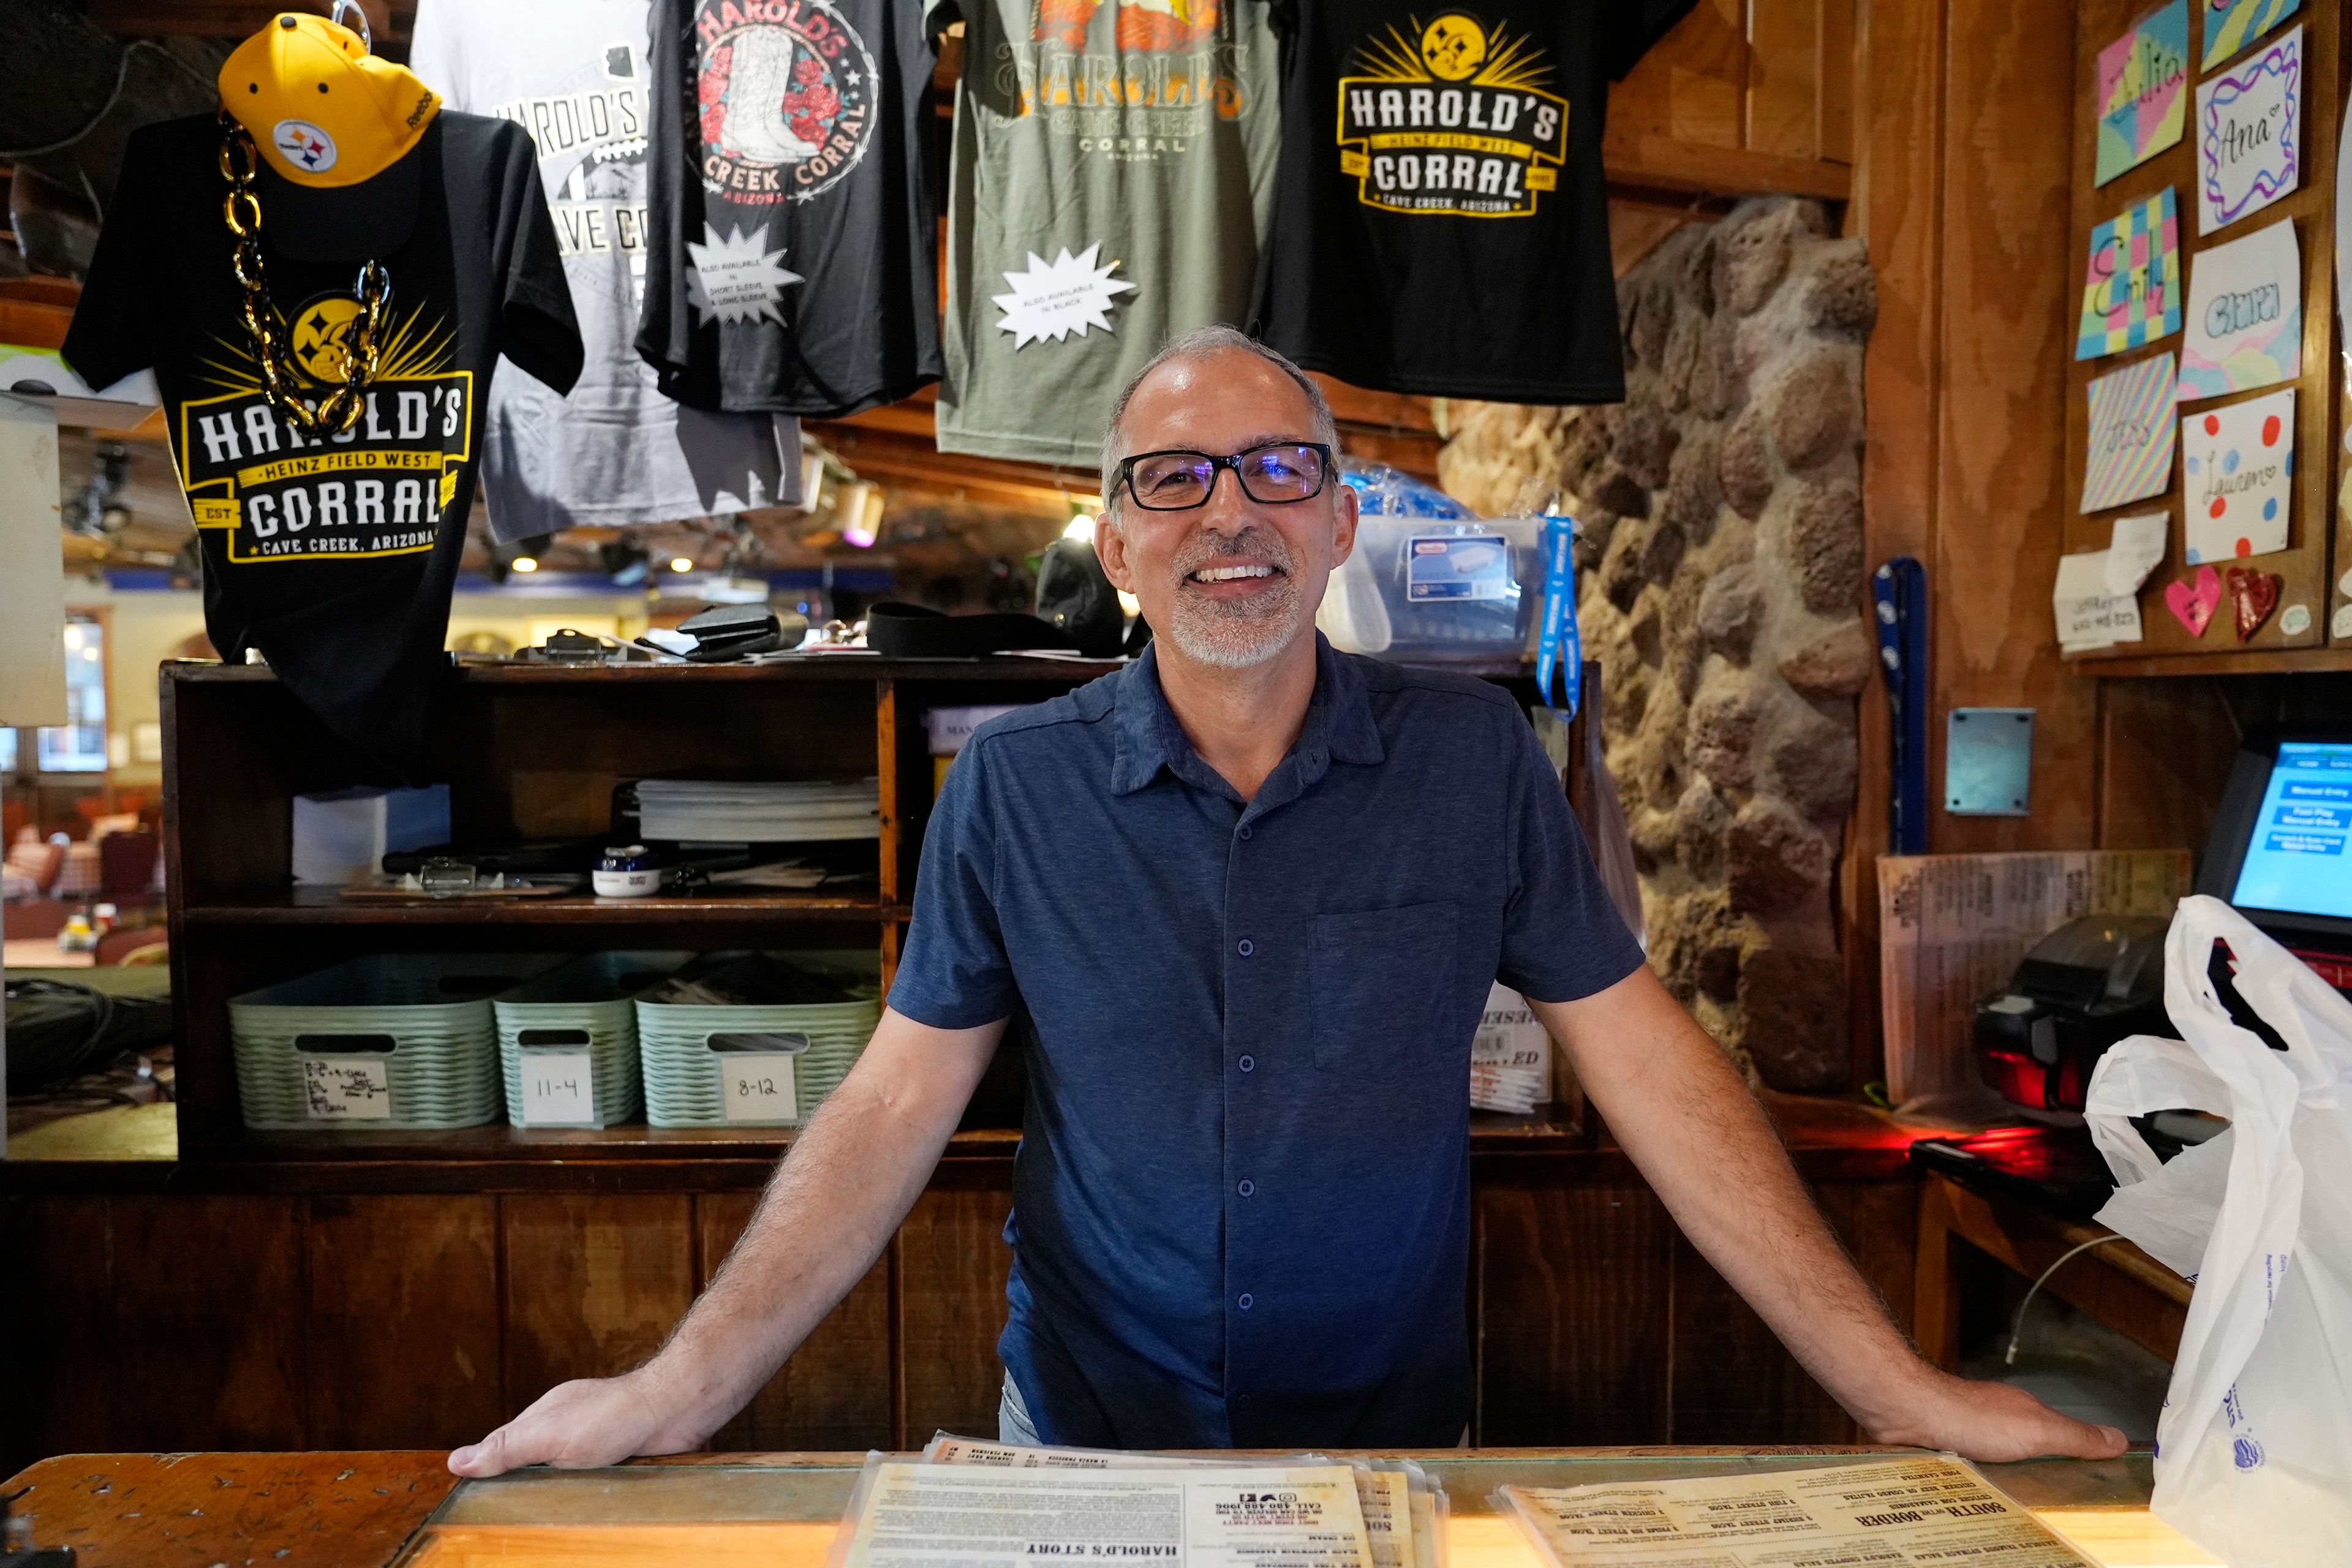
(900,630)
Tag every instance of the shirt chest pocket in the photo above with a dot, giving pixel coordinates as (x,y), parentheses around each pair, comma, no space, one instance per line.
(1379,980)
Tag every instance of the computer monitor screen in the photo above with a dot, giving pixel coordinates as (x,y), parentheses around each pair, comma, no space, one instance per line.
(2297,857)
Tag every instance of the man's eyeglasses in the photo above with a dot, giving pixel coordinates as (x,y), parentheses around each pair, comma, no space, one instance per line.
(1273,474)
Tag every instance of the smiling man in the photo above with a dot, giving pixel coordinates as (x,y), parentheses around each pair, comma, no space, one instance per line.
(1245,898)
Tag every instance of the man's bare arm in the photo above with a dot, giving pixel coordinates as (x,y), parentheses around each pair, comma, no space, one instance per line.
(1678,1108)
(828,1211)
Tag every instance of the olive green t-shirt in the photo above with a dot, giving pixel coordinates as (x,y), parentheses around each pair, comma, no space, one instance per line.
(1113,176)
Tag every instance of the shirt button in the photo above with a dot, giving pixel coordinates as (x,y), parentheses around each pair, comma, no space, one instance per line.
(1249,1064)
(1247,1188)
(1243,1400)
(1246,832)
(1245,947)
(1247,1302)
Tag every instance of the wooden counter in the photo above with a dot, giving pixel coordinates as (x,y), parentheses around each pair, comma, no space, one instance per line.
(299,1302)
(779,1510)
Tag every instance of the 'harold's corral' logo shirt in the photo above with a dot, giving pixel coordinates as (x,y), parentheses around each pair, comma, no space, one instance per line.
(1445,229)
(334,557)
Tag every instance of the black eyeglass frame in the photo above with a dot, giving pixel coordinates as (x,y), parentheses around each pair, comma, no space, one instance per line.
(1125,477)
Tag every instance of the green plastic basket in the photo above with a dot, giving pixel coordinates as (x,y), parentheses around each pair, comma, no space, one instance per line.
(695,1054)
(583,1008)
(388,1043)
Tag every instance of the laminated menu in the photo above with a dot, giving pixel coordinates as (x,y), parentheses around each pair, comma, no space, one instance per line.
(909,1515)
(1892,1511)
(1400,1505)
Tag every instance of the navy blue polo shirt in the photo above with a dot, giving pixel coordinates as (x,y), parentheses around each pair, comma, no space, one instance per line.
(1242,1200)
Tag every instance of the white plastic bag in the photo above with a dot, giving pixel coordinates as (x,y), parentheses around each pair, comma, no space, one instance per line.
(2254,1446)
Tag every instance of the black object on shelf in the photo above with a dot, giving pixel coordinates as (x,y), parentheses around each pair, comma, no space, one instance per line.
(2092,982)
(2056,1169)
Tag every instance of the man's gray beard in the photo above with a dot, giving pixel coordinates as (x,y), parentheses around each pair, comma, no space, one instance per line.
(1231,636)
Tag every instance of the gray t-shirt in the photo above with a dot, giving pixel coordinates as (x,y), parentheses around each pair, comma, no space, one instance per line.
(1114,174)
(615,451)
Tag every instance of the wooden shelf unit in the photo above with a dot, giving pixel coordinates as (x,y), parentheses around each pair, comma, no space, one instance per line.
(536,751)
(529,752)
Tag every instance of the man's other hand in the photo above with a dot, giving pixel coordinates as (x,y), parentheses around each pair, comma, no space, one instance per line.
(1993,1422)
(579,1425)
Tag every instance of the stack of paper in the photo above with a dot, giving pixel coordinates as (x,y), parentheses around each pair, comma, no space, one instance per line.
(1880,1512)
(1511,1056)
(712,810)
(993,1505)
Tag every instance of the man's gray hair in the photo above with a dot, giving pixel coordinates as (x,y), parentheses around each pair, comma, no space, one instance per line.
(1200,343)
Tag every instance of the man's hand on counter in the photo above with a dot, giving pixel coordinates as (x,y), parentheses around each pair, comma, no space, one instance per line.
(829,1210)
(1994,1422)
(580,1425)
(1685,1116)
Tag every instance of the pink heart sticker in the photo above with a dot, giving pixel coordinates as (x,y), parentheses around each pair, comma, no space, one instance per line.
(2195,606)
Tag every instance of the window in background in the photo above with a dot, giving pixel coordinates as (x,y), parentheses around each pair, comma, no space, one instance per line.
(8,751)
(79,745)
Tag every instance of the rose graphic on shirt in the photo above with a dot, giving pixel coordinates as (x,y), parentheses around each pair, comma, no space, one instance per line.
(784,97)
(812,106)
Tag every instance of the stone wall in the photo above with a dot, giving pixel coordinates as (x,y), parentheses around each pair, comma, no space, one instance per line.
(1722,592)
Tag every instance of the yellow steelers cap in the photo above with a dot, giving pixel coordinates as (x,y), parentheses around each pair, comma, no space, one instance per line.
(323,110)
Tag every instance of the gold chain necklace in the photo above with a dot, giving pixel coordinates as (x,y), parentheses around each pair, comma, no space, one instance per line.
(266,328)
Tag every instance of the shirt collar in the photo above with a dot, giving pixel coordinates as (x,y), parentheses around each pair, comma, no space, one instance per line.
(1338,729)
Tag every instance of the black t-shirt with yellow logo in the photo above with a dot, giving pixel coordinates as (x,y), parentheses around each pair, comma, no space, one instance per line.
(335,558)
(1440,224)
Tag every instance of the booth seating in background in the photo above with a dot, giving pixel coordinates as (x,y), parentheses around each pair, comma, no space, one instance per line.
(34,865)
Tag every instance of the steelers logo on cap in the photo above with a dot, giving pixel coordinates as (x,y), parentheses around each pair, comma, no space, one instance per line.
(322,337)
(1453,46)
(304,145)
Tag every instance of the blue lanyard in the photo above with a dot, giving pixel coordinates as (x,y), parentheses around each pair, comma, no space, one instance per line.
(1900,588)
(1560,644)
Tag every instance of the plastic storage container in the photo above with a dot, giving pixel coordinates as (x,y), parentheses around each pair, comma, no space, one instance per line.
(1434,588)
(388,1043)
(586,1009)
(766,1061)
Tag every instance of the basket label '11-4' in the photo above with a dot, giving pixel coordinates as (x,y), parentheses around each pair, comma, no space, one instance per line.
(559,1089)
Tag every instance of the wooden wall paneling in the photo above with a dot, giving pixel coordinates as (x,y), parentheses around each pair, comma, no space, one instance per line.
(2166,746)
(834,1394)
(953,1264)
(401,1320)
(1897,209)
(2304,567)
(1693,84)
(2007,338)
(1878,1222)
(894,840)
(1784,78)
(1833,116)
(207,1317)
(56,1319)
(593,1283)
(1733,1380)
(1570,1331)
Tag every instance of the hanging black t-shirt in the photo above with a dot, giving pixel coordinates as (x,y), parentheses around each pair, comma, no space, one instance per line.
(335,558)
(792,234)
(1440,223)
